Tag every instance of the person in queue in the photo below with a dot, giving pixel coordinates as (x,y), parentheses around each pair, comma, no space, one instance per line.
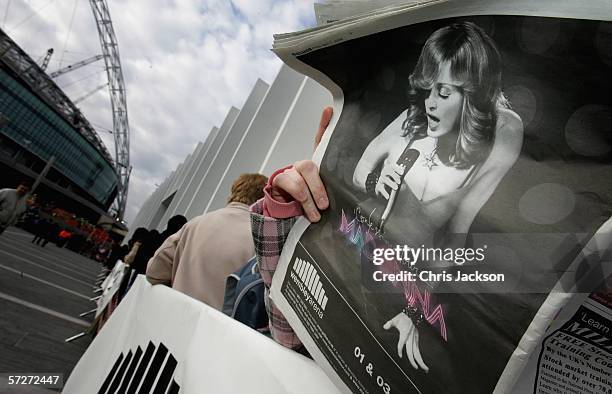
(207,249)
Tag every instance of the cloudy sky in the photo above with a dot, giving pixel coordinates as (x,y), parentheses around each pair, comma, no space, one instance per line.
(185,62)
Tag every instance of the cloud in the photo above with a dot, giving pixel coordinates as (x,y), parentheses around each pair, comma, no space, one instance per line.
(185,62)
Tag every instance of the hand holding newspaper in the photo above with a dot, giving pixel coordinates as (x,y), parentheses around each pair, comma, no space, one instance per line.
(495,272)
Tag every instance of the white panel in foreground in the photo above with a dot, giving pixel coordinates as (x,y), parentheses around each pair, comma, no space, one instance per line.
(199,349)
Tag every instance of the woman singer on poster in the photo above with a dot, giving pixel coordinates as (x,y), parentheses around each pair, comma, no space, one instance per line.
(467,138)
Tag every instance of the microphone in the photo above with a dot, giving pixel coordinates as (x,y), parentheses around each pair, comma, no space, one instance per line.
(407,159)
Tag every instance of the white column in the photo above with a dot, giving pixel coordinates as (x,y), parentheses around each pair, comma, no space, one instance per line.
(181,186)
(222,158)
(205,163)
(295,139)
(151,206)
(258,138)
(189,179)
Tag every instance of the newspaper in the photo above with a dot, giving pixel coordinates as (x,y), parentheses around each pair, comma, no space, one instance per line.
(469,170)
(576,353)
(335,10)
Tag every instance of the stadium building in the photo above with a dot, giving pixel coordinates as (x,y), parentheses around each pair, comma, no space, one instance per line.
(43,132)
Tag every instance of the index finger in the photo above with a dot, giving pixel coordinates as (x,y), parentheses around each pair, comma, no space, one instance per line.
(323,123)
(292,182)
(310,173)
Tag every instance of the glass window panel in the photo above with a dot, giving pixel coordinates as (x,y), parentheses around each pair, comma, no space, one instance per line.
(50,135)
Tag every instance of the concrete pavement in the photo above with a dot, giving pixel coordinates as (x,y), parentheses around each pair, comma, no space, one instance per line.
(42,292)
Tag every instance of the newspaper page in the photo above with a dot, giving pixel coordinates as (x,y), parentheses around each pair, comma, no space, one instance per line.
(576,353)
(469,170)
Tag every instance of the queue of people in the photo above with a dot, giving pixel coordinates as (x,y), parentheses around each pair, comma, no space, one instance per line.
(45,230)
(49,223)
(143,244)
(134,255)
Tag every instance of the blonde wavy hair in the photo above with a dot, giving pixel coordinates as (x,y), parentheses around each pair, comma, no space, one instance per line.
(248,188)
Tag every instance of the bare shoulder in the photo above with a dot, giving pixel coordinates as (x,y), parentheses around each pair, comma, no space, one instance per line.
(509,122)
(508,141)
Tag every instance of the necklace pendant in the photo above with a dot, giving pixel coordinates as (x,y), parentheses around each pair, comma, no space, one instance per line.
(430,161)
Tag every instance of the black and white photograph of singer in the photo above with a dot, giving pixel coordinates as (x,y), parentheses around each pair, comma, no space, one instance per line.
(439,161)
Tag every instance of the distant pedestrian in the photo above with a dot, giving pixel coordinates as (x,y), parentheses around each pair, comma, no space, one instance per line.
(64,236)
(12,204)
(118,252)
(43,230)
(134,244)
(103,252)
(175,223)
(149,245)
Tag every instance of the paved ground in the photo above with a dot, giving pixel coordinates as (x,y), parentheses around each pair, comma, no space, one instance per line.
(42,292)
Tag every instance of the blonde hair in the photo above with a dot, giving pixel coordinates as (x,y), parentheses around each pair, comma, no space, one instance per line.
(248,188)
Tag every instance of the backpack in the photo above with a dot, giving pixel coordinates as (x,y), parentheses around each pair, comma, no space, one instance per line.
(244,297)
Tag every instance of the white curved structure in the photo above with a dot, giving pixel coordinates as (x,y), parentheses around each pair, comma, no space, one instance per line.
(116,89)
(275,127)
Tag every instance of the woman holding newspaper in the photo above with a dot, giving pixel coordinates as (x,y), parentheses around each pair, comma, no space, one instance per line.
(443,157)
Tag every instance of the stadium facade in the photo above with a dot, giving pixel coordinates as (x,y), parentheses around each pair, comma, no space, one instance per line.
(275,127)
(39,125)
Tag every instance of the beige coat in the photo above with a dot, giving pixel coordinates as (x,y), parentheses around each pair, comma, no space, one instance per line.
(198,259)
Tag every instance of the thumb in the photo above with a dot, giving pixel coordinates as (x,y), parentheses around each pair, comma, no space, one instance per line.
(391,323)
